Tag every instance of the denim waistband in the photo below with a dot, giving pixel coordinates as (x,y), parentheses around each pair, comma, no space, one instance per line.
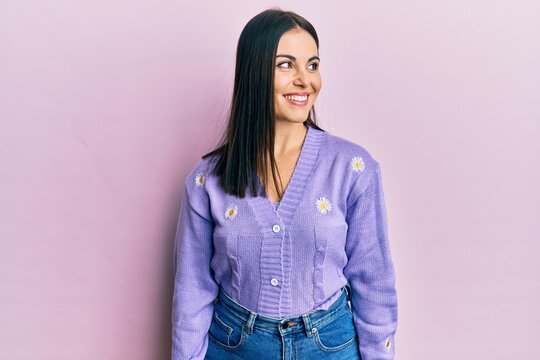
(307,322)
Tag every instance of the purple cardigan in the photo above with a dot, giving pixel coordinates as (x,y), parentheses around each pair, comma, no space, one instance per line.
(329,228)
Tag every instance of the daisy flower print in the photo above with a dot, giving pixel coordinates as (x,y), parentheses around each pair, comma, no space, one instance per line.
(231,211)
(358,164)
(199,179)
(387,344)
(323,205)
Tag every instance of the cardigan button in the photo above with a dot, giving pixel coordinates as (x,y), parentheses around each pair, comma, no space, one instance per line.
(276,228)
(274,282)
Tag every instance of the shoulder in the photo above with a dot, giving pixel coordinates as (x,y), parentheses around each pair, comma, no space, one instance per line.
(198,184)
(349,154)
(200,172)
(354,163)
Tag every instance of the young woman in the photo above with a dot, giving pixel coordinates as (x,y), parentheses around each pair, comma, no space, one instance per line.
(281,248)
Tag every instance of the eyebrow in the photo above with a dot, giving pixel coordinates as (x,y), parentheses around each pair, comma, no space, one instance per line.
(294,59)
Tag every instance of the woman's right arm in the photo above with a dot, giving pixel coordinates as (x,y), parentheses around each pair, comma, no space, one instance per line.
(194,286)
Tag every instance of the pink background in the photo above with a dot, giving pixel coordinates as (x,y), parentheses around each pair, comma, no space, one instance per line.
(105,106)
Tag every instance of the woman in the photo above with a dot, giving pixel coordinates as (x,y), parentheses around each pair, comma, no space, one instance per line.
(281,248)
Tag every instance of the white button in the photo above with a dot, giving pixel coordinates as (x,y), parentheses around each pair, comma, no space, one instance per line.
(274,282)
(276,228)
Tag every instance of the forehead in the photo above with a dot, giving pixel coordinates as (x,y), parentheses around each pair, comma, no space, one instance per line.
(297,42)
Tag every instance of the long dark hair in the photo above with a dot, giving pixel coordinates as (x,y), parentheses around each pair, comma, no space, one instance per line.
(249,137)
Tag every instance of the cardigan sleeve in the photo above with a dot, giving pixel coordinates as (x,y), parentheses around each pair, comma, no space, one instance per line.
(194,286)
(370,271)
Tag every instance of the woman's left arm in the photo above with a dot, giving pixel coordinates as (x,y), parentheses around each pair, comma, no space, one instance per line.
(370,271)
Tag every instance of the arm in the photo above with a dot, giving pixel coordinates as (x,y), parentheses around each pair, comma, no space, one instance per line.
(370,272)
(194,285)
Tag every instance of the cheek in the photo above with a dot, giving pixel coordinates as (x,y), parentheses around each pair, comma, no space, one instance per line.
(279,101)
(280,82)
(317,83)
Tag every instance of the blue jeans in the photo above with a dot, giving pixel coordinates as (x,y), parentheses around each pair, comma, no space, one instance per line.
(238,333)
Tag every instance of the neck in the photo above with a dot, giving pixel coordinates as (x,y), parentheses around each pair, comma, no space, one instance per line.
(289,137)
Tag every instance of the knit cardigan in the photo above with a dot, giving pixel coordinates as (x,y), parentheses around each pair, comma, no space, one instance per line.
(329,229)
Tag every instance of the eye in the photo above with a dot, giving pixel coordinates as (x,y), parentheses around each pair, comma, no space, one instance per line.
(286,62)
(290,64)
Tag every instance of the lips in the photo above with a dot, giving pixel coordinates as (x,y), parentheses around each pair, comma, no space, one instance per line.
(298,93)
(299,99)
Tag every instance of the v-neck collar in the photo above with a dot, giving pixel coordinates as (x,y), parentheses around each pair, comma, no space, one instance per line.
(263,207)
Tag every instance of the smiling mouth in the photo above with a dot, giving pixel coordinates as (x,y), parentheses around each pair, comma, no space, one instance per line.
(297,99)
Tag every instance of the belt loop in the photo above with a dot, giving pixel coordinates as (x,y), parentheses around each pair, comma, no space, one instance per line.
(307,325)
(251,321)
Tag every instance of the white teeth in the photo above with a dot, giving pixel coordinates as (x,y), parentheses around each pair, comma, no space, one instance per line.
(296,98)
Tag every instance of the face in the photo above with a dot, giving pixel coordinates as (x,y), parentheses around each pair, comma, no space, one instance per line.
(297,81)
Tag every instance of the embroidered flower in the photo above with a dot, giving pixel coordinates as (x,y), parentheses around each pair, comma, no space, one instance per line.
(323,205)
(387,344)
(231,211)
(358,164)
(199,179)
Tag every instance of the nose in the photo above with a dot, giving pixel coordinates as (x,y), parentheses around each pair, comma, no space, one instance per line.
(301,78)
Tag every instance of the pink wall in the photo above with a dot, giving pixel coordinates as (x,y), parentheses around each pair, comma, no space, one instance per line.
(105,106)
